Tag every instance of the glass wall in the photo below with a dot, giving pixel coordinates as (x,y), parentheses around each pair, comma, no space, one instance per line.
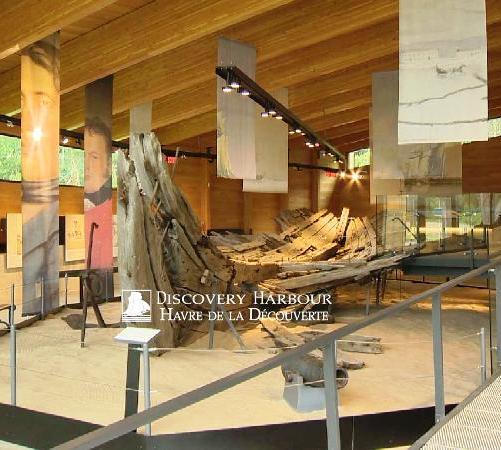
(71,163)
(438,224)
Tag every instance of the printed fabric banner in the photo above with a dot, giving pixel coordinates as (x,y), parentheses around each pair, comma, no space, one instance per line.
(40,175)
(97,187)
(236,116)
(443,71)
(423,169)
(272,152)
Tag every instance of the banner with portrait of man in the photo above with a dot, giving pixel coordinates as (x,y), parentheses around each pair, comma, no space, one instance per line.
(97,186)
(40,175)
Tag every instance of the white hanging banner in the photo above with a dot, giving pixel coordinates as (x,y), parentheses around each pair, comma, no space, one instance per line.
(424,169)
(236,116)
(272,152)
(443,71)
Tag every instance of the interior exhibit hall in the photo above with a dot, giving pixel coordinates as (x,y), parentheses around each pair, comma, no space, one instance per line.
(254,225)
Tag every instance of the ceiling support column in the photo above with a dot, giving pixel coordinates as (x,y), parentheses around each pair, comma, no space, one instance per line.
(98,168)
(40,175)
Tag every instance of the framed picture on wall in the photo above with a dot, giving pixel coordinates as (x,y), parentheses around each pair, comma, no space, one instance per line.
(74,249)
(14,240)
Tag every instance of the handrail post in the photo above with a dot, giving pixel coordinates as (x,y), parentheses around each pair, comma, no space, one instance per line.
(497,273)
(438,357)
(66,289)
(146,384)
(483,357)
(331,400)
(13,355)
(42,298)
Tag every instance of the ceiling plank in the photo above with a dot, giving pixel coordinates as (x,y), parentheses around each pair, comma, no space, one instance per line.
(352,86)
(32,20)
(149,31)
(157,27)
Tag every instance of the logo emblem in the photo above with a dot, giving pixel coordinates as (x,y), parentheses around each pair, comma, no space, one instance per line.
(136,305)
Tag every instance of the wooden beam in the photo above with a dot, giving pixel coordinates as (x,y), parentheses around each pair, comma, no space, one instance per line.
(335,92)
(164,75)
(27,21)
(158,27)
(323,109)
(40,174)
(178,132)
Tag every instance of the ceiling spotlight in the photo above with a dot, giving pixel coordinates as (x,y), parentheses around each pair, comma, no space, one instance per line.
(303,133)
(355,176)
(298,130)
(265,113)
(227,89)
(272,112)
(317,144)
(65,140)
(244,92)
(10,124)
(342,174)
(279,117)
(235,84)
(292,132)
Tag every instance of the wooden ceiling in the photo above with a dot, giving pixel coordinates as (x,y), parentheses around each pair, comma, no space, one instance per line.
(322,50)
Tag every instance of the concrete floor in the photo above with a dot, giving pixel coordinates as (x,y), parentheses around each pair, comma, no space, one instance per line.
(57,376)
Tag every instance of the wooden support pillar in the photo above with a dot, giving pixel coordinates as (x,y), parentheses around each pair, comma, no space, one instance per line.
(97,184)
(40,174)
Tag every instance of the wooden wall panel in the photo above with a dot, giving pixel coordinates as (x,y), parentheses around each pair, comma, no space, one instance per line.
(353,195)
(70,201)
(482,166)
(300,181)
(265,207)
(188,177)
(226,202)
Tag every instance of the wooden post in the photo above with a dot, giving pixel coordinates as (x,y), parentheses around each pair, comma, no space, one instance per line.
(40,172)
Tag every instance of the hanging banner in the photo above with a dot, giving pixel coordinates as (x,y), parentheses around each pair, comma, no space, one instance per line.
(443,71)
(272,152)
(140,118)
(423,169)
(14,240)
(40,175)
(115,236)
(74,230)
(97,187)
(236,115)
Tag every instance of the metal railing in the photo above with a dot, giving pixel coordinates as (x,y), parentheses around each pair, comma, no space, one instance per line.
(328,344)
